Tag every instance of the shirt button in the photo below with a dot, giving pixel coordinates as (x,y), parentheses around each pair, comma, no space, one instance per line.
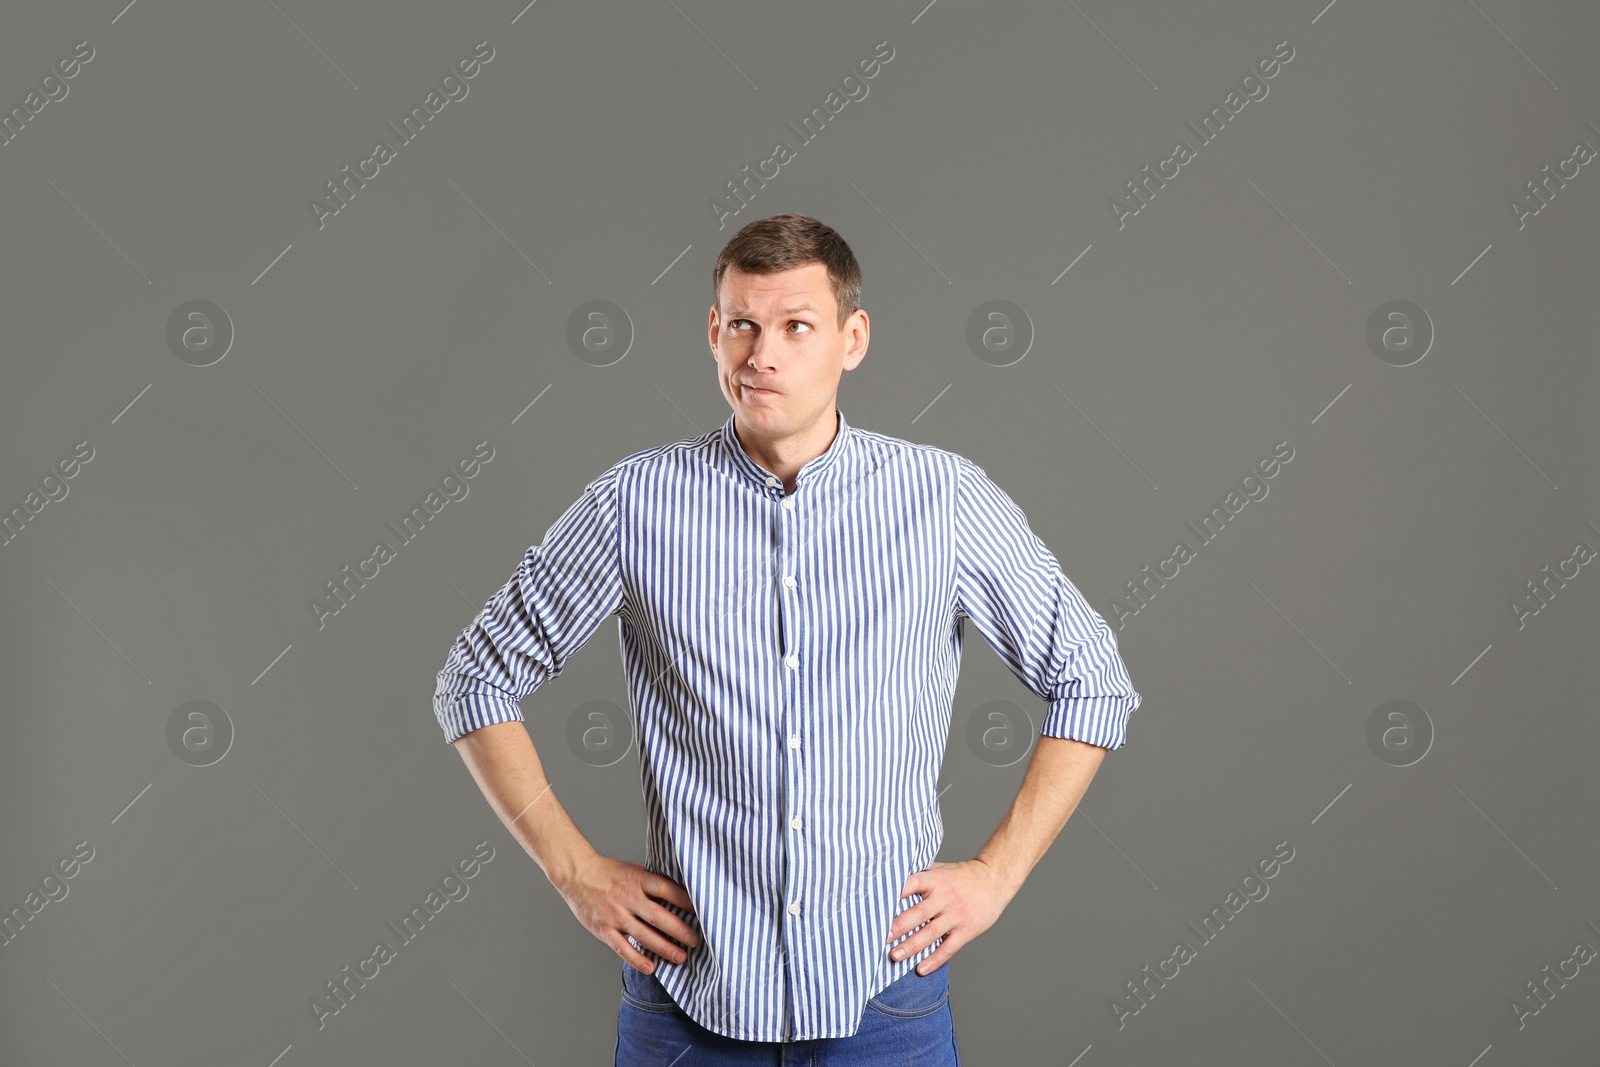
(794,909)
(793,661)
(795,822)
(788,580)
(771,480)
(794,740)
(788,502)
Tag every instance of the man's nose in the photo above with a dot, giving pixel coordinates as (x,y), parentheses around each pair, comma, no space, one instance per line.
(757,357)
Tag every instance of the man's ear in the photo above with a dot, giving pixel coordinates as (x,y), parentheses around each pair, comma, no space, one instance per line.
(866,337)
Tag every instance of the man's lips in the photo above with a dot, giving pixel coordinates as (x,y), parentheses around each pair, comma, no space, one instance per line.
(757,388)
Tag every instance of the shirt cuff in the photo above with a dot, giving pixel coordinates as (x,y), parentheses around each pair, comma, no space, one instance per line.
(474,711)
(1099,721)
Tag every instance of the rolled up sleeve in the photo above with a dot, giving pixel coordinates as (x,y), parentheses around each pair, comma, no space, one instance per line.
(561,592)
(1013,589)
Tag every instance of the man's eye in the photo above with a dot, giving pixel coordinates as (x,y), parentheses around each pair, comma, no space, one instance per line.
(739,324)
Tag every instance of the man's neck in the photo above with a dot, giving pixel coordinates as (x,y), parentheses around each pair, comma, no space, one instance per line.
(785,458)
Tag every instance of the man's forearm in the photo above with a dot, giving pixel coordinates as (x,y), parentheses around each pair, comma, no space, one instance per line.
(502,759)
(1059,772)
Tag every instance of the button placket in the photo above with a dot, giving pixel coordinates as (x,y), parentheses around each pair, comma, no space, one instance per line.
(789,617)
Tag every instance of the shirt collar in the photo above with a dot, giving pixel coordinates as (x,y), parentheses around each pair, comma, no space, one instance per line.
(810,470)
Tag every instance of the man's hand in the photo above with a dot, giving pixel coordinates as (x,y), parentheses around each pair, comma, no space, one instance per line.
(614,898)
(959,902)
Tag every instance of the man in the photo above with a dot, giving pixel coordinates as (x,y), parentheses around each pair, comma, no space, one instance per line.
(790,592)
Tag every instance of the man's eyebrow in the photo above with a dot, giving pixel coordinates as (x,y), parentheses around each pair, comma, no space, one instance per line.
(736,311)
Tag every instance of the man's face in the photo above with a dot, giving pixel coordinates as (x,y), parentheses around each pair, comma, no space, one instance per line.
(780,332)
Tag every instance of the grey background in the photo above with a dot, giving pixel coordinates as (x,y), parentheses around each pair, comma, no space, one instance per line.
(1228,315)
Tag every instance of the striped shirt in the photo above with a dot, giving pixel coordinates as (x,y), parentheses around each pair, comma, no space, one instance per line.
(791,659)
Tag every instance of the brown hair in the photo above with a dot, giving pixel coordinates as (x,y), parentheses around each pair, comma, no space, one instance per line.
(781,242)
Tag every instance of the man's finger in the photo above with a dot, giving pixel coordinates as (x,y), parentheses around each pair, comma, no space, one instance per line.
(937,958)
(666,889)
(668,923)
(910,919)
(655,941)
(630,955)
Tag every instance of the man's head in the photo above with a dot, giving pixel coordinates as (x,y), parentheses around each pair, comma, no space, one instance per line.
(788,319)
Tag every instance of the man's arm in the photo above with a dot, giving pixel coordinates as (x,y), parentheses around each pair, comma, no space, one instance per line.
(506,767)
(560,593)
(612,898)
(1059,772)
(563,589)
(1012,588)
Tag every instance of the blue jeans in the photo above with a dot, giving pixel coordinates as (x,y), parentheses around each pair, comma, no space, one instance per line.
(907,1022)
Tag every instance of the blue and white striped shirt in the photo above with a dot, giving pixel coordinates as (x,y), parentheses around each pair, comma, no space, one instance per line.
(791,660)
